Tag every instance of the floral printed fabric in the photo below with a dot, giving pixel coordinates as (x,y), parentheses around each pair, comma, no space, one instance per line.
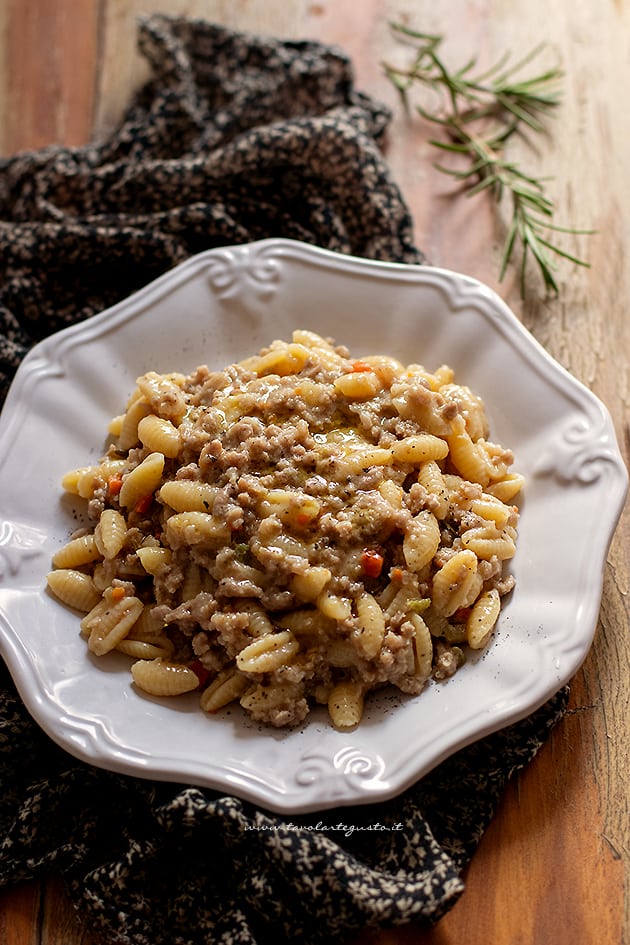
(234,138)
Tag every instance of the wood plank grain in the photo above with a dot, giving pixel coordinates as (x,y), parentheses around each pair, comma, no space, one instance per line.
(20,908)
(544,870)
(46,78)
(40,912)
(60,924)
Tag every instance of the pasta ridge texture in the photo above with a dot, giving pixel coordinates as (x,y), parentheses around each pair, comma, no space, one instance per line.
(301,528)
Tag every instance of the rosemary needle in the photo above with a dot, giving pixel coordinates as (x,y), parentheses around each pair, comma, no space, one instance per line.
(478,114)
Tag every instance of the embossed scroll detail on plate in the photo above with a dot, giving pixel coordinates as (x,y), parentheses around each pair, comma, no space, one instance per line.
(66,390)
(17,543)
(244,274)
(582,453)
(343,773)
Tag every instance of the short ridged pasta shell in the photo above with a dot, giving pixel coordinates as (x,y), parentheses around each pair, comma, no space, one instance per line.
(469,458)
(309,585)
(143,480)
(228,686)
(423,646)
(82,550)
(486,544)
(471,407)
(421,541)
(110,533)
(355,460)
(153,558)
(385,367)
(372,625)
(195,528)
(392,493)
(359,385)
(161,677)
(294,508)
(115,425)
(159,435)
(86,479)
(110,626)
(482,619)
(419,448)
(148,627)
(259,622)
(164,395)
(188,495)
(282,359)
(453,581)
(345,704)
(73,588)
(268,652)
(333,606)
(143,650)
(508,488)
(128,435)
(492,510)
(430,476)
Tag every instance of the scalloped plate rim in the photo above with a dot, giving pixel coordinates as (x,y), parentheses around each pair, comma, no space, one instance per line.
(382,782)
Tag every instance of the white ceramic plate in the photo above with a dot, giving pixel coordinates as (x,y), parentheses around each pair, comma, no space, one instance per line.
(218,307)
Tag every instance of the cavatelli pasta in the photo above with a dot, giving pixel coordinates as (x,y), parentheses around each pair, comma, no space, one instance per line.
(294,531)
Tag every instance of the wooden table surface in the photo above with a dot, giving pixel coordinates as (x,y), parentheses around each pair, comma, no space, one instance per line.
(553,865)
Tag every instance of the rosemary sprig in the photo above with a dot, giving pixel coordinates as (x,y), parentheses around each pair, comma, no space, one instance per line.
(478,114)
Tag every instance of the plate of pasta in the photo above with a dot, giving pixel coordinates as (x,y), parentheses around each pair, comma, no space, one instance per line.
(307,525)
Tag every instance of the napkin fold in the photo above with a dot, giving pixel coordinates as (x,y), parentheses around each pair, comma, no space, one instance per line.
(233,138)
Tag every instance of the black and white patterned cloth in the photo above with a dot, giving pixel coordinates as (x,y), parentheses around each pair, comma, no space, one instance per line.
(234,138)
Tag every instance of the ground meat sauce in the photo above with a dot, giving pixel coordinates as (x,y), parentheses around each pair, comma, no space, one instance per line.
(298,529)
